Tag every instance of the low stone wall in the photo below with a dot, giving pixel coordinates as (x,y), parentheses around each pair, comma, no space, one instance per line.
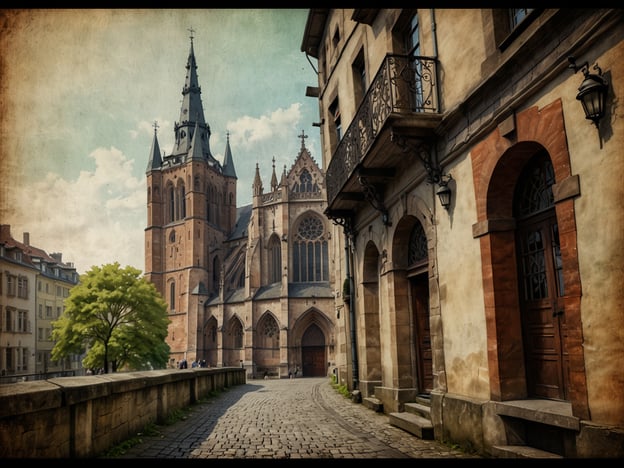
(81,417)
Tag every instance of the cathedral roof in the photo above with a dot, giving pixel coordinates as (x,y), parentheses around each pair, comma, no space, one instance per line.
(243,214)
(322,289)
(305,290)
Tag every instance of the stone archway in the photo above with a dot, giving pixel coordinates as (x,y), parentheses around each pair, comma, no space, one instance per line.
(497,163)
(370,349)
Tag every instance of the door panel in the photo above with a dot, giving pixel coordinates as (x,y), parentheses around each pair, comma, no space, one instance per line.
(420,311)
(313,364)
(543,320)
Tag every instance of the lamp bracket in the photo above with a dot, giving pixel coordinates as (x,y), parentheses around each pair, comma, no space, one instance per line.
(422,149)
(375,198)
(585,69)
(344,219)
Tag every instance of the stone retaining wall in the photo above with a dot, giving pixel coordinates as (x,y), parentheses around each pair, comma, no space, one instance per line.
(81,417)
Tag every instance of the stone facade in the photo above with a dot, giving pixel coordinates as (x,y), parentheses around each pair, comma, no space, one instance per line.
(33,288)
(248,286)
(510,294)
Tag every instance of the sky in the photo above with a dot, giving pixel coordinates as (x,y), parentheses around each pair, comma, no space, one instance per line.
(80,91)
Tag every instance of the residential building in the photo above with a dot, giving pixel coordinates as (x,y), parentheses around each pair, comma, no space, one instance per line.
(478,220)
(33,287)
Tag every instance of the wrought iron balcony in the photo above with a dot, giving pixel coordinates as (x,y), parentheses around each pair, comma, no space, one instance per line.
(402,99)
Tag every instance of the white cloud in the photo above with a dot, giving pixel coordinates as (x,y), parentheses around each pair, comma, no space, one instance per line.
(247,131)
(97,218)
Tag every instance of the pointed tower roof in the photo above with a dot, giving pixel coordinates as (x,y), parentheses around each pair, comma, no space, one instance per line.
(154,161)
(192,112)
(195,152)
(273,177)
(191,103)
(228,162)
(257,183)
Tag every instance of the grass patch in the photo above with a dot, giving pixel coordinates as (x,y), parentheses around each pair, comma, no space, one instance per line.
(342,389)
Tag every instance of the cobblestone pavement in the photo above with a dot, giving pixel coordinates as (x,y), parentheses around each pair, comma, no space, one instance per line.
(286,419)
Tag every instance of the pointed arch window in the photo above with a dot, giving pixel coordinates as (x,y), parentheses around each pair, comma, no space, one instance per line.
(216,273)
(236,334)
(171,204)
(213,333)
(208,211)
(275,260)
(310,251)
(172,296)
(305,183)
(181,203)
(268,332)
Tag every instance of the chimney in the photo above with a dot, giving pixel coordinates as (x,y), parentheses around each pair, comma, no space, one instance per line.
(27,239)
(5,231)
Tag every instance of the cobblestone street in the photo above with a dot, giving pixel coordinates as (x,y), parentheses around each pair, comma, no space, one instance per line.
(286,419)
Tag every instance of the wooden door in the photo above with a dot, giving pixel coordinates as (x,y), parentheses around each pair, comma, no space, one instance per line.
(420,313)
(543,317)
(313,361)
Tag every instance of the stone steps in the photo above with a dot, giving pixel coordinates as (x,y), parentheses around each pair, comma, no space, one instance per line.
(412,423)
(521,451)
(373,403)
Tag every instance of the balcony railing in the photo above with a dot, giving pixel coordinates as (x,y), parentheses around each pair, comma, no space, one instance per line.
(404,85)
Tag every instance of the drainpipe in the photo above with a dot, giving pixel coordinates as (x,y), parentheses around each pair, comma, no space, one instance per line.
(433,33)
(348,232)
(435,56)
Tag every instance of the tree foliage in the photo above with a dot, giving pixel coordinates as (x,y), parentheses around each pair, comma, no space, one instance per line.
(115,316)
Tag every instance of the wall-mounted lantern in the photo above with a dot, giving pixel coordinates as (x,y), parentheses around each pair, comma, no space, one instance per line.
(592,92)
(444,192)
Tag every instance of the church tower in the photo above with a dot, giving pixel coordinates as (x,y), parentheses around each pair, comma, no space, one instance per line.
(191,210)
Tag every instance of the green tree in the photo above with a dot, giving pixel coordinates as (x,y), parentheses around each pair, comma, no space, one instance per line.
(115,316)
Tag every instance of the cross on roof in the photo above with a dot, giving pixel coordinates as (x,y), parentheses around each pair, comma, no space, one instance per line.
(155,126)
(303,136)
(191,30)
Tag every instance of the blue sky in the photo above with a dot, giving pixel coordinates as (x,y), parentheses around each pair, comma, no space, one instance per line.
(82,88)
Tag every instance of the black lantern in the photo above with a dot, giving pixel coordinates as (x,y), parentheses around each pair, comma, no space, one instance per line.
(444,194)
(592,92)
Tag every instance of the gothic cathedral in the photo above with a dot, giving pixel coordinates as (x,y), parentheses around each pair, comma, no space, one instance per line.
(249,286)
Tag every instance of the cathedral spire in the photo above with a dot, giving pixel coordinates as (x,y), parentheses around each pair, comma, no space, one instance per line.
(283,180)
(257,183)
(273,177)
(154,161)
(191,111)
(228,161)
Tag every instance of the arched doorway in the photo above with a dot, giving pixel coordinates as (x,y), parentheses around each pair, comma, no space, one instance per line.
(418,274)
(313,359)
(369,322)
(540,281)
(210,343)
